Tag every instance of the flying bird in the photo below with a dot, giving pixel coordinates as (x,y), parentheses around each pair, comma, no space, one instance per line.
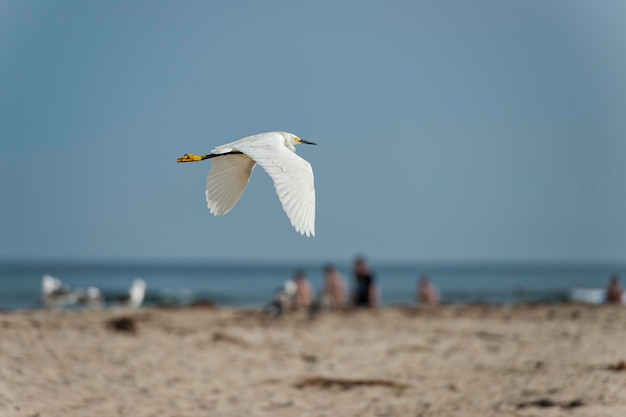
(234,162)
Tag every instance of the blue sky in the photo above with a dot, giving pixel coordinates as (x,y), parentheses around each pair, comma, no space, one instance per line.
(478,131)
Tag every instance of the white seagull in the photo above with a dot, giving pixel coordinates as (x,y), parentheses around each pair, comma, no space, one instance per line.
(54,293)
(136,294)
(276,153)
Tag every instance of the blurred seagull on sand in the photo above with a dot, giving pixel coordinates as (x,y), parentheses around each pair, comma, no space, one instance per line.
(54,293)
(134,297)
(136,293)
(90,298)
(276,153)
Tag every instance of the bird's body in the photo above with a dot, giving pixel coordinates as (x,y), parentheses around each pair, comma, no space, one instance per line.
(54,293)
(234,162)
(137,293)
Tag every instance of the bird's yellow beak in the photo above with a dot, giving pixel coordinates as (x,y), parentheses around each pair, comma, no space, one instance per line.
(189,157)
(306,142)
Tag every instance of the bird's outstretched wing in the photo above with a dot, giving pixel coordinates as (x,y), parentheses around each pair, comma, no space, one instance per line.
(227,180)
(292,176)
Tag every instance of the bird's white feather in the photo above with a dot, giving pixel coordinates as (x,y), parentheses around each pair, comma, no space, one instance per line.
(292,176)
(227,181)
(232,146)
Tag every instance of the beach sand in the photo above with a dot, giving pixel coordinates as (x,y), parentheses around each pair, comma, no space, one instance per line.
(545,360)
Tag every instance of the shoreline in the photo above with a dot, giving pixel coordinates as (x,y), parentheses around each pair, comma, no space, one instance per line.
(207,304)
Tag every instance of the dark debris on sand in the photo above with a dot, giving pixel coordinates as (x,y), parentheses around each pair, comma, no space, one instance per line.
(619,366)
(122,324)
(547,402)
(324,382)
(223,337)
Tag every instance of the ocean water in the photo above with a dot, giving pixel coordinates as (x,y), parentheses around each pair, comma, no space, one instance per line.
(252,285)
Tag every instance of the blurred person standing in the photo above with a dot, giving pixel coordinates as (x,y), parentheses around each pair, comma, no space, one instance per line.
(365,292)
(334,293)
(615,292)
(304,291)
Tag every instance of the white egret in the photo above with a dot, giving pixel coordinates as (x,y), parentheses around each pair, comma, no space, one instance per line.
(275,152)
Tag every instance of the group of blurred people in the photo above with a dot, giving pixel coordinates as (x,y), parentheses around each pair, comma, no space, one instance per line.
(298,294)
(334,294)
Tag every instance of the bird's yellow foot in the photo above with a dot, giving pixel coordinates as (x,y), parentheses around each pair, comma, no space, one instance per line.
(189,157)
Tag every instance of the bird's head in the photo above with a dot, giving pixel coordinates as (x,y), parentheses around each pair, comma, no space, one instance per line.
(292,140)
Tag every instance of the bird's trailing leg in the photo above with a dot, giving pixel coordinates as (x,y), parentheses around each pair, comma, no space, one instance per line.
(189,157)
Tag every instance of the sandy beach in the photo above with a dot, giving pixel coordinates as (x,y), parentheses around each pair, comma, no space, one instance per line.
(546,360)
